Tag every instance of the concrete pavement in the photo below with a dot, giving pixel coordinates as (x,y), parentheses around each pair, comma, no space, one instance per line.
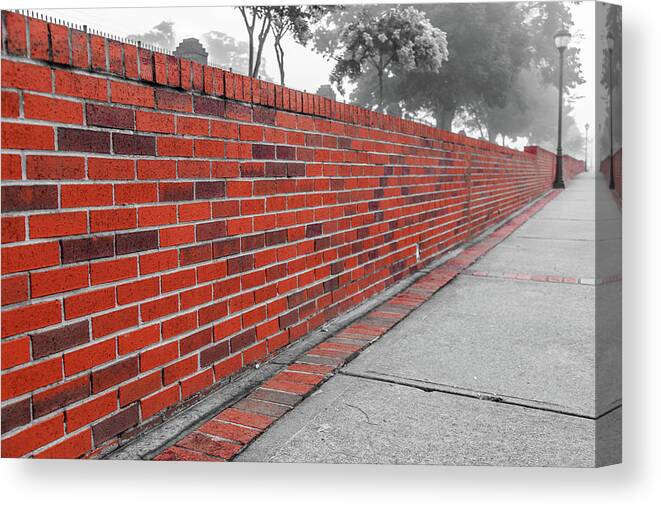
(497,368)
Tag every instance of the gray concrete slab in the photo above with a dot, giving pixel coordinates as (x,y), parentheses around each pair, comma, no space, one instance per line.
(352,420)
(515,339)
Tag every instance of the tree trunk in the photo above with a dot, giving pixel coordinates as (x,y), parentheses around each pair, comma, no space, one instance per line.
(444,116)
(261,40)
(280,57)
(380,75)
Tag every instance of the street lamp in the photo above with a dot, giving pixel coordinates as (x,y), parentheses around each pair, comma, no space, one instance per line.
(587,126)
(611,44)
(561,39)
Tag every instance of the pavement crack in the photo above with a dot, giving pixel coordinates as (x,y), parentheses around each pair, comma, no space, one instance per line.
(367,417)
(481,396)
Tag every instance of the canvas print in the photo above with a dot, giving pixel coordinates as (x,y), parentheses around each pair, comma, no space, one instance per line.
(361,233)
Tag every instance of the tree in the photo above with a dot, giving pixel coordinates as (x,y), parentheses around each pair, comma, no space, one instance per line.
(252,18)
(295,20)
(161,35)
(395,41)
(226,51)
(326,90)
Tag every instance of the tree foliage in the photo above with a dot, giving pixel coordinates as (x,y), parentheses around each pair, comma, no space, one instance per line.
(395,41)
(161,35)
(226,51)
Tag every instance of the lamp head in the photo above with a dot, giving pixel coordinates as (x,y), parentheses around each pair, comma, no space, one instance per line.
(561,39)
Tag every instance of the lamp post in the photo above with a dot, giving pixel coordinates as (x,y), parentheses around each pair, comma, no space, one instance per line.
(561,40)
(587,126)
(611,44)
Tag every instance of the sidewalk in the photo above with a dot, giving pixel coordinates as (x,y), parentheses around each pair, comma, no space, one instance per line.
(498,367)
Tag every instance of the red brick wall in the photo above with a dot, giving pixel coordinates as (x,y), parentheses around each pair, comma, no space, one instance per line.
(617,170)
(166,224)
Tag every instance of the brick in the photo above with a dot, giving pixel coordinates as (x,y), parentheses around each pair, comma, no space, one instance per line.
(15,415)
(243,418)
(209,106)
(114,374)
(15,352)
(157,356)
(281,397)
(23,136)
(26,76)
(11,167)
(131,94)
(227,367)
(192,126)
(135,193)
(136,242)
(110,323)
(203,443)
(175,191)
(85,249)
(115,424)
(193,169)
(44,283)
(112,220)
(16,33)
(209,148)
(70,448)
(210,230)
(110,169)
(149,216)
(80,85)
(29,318)
(160,261)
(196,383)
(224,129)
(60,396)
(195,341)
(262,407)
(113,270)
(139,388)
(33,437)
(154,122)
(179,370)
(89,357)
(180,454)
(193,212)
(158,169)
(84,196)
(93,141)
(288,387)
(90,411)
(174,147)
(229,431)
(107,116)
(59,339)
(31,377)
(179,325)
(214,354)
(28,197)
(38,107)
(87,303)
(59,35)
(174,101)
(58,224)
(79,52)
(132,144)
(263,151)
(14,289)
(195,255)
(13,229)
(138,339)
(98,50)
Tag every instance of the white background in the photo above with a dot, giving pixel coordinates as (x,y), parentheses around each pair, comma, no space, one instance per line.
(636,482)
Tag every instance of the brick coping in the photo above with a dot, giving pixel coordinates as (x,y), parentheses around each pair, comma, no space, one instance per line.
(228,433)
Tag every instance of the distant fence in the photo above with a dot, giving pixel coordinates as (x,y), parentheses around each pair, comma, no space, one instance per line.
(617,170)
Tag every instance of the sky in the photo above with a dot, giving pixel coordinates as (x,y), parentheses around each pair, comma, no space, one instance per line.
(195,21)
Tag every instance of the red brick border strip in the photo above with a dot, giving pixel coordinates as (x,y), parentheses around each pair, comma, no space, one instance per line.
(229,432)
